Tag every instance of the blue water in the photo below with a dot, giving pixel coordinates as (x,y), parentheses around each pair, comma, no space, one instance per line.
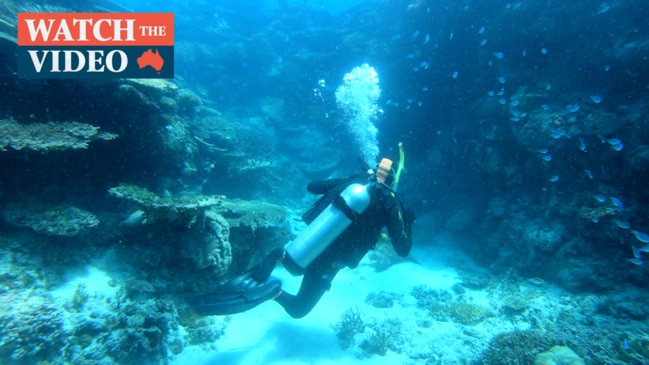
(524,125)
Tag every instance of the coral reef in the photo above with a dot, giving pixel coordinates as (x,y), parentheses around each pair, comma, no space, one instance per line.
(427,297)
(351,324)
(208,232)
(167,205)
(383,335)
(251,214)
(59,221)
(382,299)
(464,312)
(33,331)
(49,136)
(514,304)
(515,348)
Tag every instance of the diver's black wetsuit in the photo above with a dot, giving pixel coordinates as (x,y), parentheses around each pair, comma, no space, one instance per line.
(350,247)
(256,285)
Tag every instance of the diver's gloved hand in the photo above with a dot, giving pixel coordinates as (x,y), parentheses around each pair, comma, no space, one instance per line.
(261,272)
(408,219)
(409,216)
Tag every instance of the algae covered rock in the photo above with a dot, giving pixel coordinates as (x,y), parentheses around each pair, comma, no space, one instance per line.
(558,355)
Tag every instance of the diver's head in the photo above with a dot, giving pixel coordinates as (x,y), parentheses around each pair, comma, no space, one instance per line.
(384,172)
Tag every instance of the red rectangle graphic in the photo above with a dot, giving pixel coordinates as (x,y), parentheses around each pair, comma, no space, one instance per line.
(95,29)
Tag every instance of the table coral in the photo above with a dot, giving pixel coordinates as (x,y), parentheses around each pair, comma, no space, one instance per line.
(58,221)
(49,136)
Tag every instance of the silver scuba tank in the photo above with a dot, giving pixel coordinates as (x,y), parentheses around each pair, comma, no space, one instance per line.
(327,226)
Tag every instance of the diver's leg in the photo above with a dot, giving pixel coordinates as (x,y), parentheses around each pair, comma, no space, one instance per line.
(314,284)
(261,272)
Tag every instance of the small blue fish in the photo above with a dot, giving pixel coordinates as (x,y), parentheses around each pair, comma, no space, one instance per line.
(554,178)
(596,99)
(543,150)
(410,56)
(547,158)
(622,224)
(635,261)
(491,93)
(515,102)
(600,198)
(427,38)
(618,203)
(455,73)
(482,29)
(595,220)
(483,42)
(571,108)
(415,34)
(589,174)
(642,237)
(499,55)
(502,79)
(617,146)
(557,133)
(544,50)
(644,248)
(502,101)
(582,144)
(636,252)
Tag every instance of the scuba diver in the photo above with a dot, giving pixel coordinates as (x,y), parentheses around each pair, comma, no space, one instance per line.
(343,225)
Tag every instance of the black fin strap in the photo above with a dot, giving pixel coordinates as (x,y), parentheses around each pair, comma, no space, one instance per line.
(340,203)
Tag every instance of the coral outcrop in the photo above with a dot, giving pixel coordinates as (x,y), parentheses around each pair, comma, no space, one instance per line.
(49,136)
(57,221)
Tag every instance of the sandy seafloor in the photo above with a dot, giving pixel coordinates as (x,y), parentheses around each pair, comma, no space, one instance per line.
(267,335)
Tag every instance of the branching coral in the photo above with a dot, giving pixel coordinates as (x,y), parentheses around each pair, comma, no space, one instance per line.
(49,136)
(350,324)
(377,342)
(515,348)
(466,313)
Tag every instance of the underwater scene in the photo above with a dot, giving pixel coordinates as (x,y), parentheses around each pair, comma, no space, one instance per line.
(143,221)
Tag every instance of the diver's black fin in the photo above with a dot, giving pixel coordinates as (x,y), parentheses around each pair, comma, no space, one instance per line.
(237,296)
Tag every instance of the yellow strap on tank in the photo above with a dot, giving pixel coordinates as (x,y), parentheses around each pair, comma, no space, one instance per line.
(402,159)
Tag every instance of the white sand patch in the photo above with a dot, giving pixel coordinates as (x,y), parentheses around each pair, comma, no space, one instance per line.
(95,281)
(267,335)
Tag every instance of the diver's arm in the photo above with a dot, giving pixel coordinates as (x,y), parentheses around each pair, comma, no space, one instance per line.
(400,228)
